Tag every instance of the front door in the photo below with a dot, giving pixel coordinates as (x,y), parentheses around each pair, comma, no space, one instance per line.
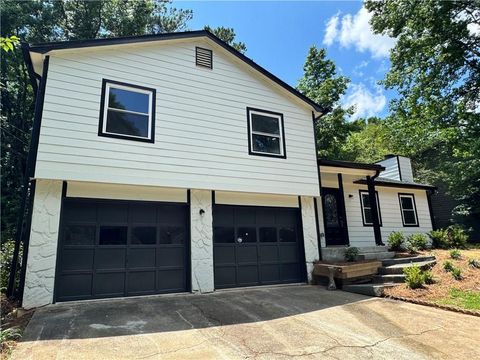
(334,217)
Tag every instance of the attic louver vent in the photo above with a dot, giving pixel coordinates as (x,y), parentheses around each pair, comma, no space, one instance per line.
(204,57)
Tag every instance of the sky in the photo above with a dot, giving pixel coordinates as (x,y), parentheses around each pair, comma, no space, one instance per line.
(278,35)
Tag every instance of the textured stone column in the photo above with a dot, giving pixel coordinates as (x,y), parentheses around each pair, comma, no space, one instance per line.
(202,240)
(42,252)
(309,233)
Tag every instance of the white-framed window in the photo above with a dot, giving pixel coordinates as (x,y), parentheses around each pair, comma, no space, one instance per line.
(266,136)
(367,208)
(127,111)
(408,209)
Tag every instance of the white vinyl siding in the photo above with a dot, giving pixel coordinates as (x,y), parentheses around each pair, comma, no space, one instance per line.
(201,138)
(391,168)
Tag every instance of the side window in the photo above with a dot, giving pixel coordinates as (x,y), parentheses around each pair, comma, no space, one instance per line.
(367,208)
(265,133)
(408,209)
(127,111)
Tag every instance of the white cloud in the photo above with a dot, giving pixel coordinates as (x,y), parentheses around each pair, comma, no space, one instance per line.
(366,103)
(355,31)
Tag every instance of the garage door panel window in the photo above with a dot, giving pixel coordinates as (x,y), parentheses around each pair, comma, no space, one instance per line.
(408,209)
(268,234)
(288,234)
(247,234)
(144,235)
(172,235)
(223,234)
(80,235)
(113,235)
(266,134)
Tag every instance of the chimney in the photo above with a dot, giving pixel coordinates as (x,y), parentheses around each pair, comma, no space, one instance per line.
(397,168)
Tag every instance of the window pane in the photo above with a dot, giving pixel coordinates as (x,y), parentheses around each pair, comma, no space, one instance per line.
(172,235)
(331,210)
(113,235)
(144,235)
(80,235)
(407,203)
(288,234)
(266,144)
(128,100)
(366,200)
(268,234)
(409,217)
(265,124)
(127,124)
(223,234)
(247,234)
(368,216)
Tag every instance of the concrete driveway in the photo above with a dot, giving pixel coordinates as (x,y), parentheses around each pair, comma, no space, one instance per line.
(261,323)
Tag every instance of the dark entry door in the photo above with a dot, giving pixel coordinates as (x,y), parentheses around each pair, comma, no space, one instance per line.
(257,246)
(334,217)
(121,248)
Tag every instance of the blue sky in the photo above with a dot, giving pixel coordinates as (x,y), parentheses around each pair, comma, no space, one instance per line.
(279,34)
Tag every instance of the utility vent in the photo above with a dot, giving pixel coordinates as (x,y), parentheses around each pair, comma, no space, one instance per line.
(204,57)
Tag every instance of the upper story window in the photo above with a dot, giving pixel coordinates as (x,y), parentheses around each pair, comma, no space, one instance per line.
(266,136)
(408,209)
(367,208)
(127,111)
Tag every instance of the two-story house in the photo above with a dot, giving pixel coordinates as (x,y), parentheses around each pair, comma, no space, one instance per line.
(173,163)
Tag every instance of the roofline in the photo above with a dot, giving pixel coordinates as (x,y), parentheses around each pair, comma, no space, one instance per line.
(62,45)
(350,164)
(398,185)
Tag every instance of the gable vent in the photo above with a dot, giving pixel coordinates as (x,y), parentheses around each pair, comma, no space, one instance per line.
(204,57)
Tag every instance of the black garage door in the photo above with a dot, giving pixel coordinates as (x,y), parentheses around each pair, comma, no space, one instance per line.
(257,246)
(121,248)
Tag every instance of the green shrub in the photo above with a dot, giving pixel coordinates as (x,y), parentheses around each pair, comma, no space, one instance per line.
(10,334)
(428,277)
(439,239)
(6,255)
(414,277)
(474,263)
(455,254)
(448,266)
(457,273)
(351,253)
(417,242)
(396,240)
(457,237)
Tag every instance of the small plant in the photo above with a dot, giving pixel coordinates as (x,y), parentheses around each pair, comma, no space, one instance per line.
(448,266)
(457,237)
(457,273)
(417,242)
(395,240)
(428,277)
(414,277)
(474,263)
(439,239)
(351,253)
(455,254)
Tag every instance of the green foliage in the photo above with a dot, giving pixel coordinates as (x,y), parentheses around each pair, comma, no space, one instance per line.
(428,277)
(414,277)
(456,273)
(322,84)
(10,334)
(416,242)
(448,238)
(455,254)
(228,35)
(474,263)
(465,299)
(351,253)
(6,253)
(439,239)
(8,43)
(448,266)
(396,240)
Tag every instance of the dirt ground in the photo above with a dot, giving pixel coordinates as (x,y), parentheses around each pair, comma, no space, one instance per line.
(11,320)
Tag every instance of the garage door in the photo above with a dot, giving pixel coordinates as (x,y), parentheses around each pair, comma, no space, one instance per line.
(257,246)
(121,248)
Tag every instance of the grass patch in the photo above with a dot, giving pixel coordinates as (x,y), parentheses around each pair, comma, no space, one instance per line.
(464,299)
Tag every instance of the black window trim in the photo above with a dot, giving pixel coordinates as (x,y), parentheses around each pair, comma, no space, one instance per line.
(283,155)
(153,92)
(412,196)
(196,57)
(360,192)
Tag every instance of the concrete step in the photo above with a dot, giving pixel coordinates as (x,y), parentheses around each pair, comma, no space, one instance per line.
(367,289)
(398,268)
(390,278)
(370,249)
(376,255)
(406,260)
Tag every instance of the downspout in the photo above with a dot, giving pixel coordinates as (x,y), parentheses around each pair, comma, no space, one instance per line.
(317,221)
(373,204)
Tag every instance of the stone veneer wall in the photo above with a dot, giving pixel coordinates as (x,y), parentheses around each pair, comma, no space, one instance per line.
(42,252)
(202,241)
(309,233)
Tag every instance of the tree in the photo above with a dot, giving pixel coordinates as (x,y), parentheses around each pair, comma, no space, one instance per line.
(435,67)
(321,83)
(228,35)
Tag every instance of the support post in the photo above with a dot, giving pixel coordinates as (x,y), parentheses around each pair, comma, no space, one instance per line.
(373,205)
